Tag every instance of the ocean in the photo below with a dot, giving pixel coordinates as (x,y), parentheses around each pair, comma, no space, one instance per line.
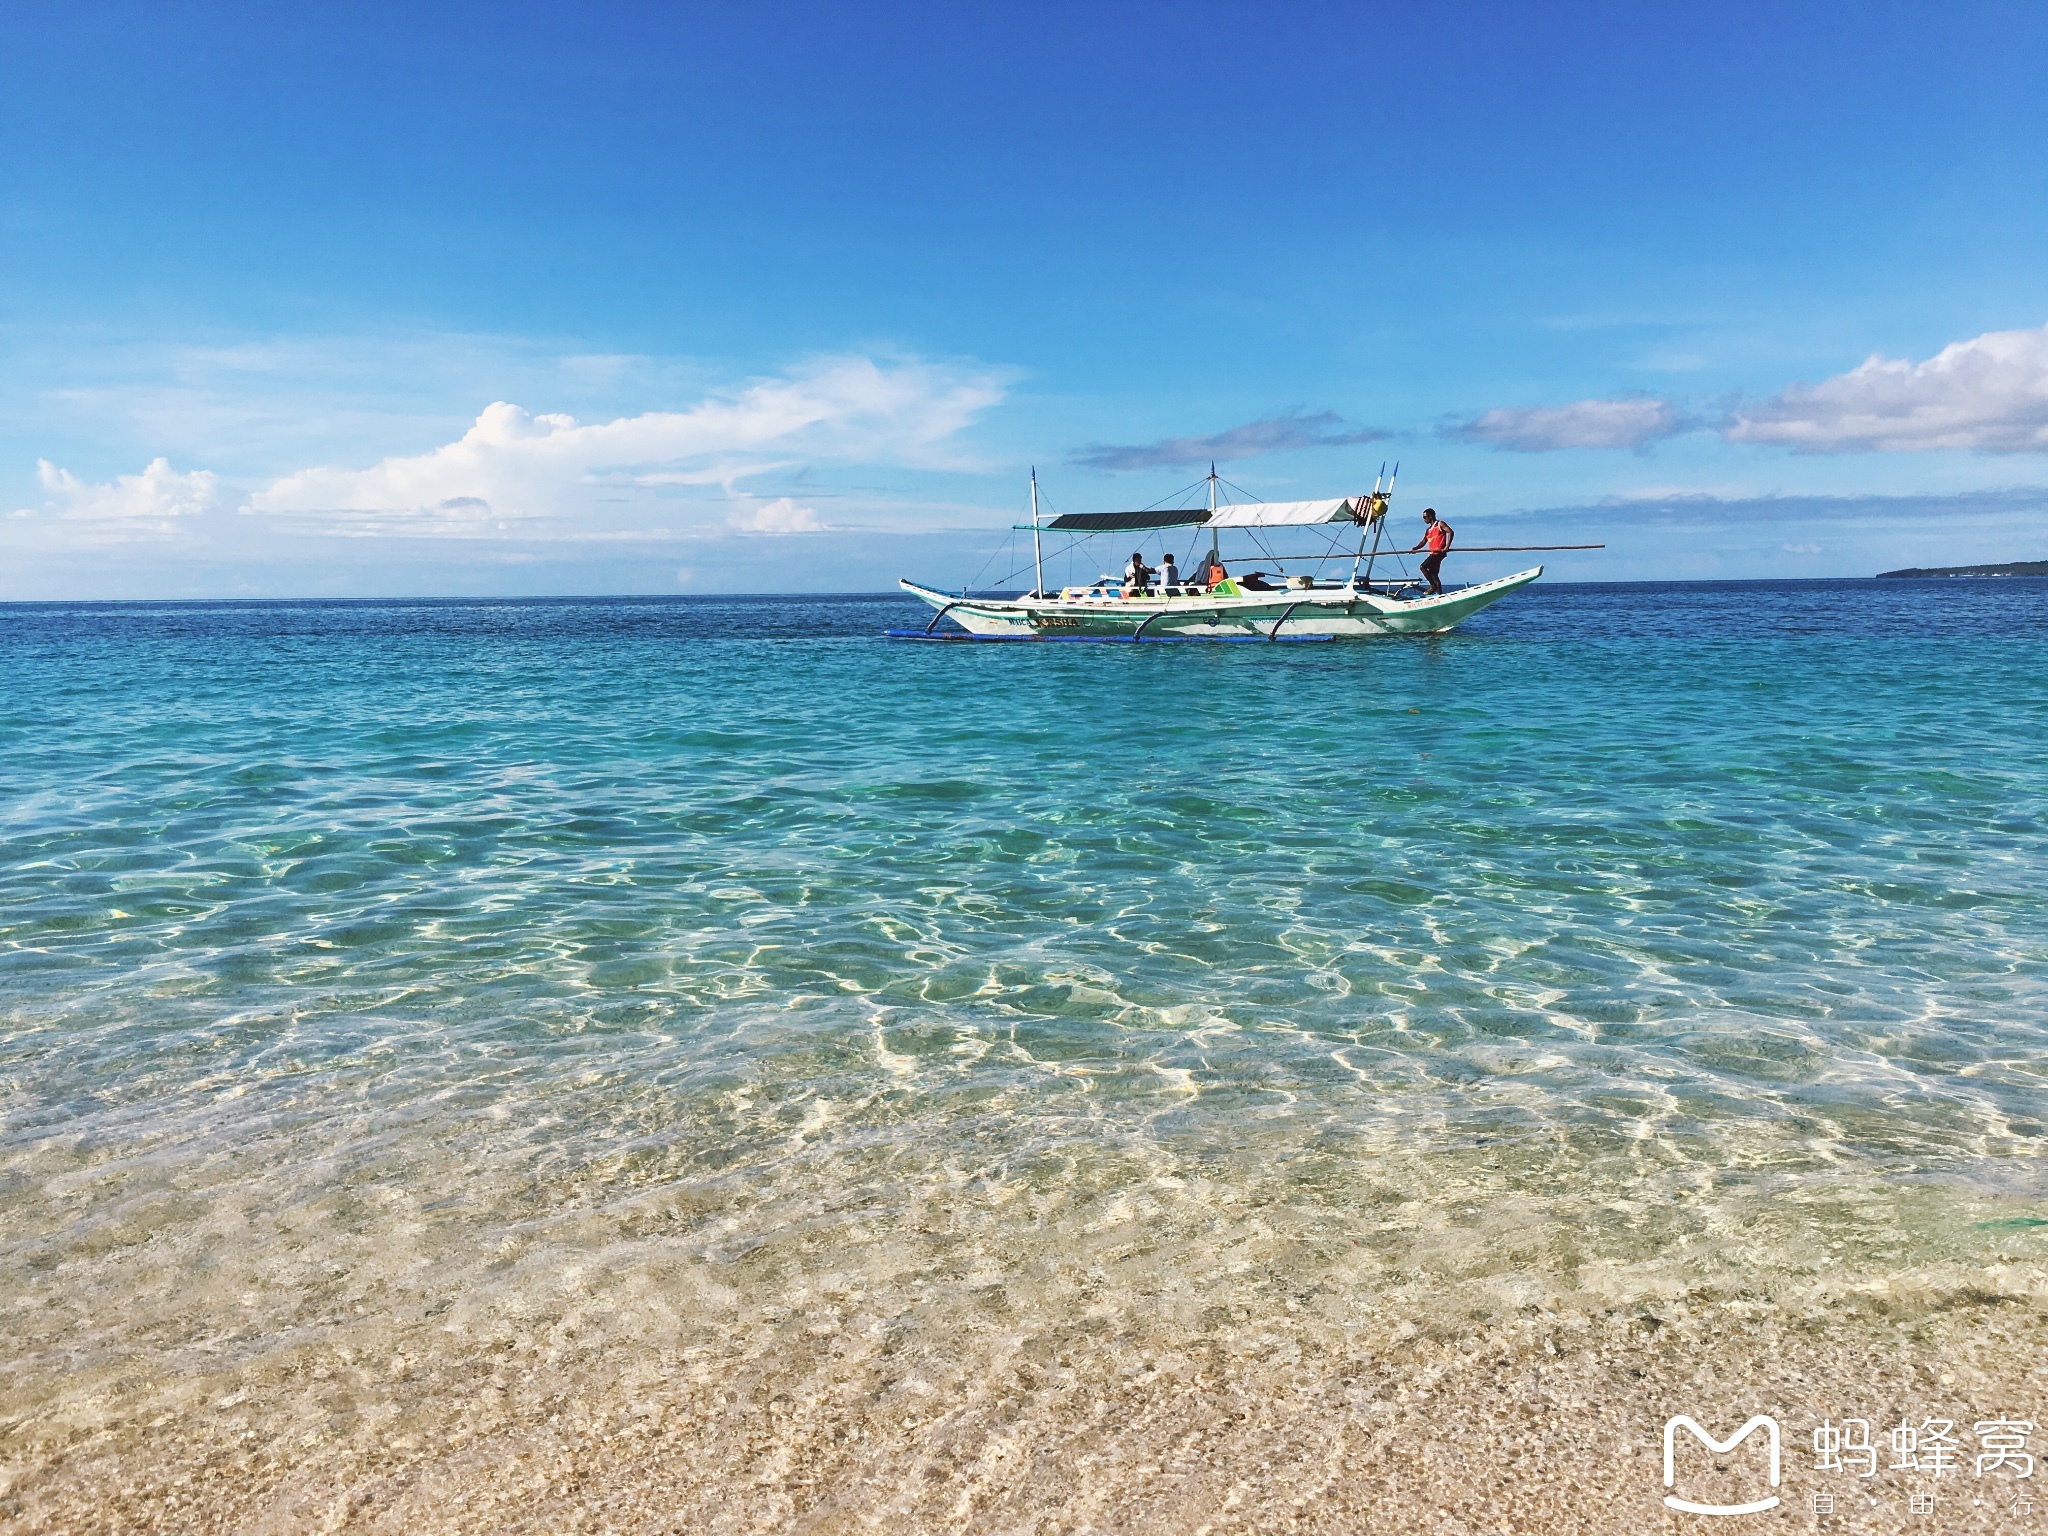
(693,1060)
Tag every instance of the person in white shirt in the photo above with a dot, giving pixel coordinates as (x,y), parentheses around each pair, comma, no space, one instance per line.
(1137,575)
(1169,578)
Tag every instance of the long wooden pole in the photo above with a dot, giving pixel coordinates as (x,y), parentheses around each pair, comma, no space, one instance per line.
(1037,554)
(1456,549)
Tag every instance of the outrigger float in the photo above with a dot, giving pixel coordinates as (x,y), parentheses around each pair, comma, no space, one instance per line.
(1308,607)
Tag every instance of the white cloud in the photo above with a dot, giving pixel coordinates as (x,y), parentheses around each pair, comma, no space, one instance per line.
(1625,423)
(514,465)
(778,516)
(152,502)
(1989,393)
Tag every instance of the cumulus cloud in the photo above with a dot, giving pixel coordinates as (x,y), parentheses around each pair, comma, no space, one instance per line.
(515,465)
(1989,394)
(152,502)
(781,515)
(1270,434)
(1629,422)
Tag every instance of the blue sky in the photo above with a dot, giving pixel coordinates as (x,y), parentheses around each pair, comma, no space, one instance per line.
(382,300)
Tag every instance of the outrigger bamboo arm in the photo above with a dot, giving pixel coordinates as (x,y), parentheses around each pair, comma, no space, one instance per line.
(1455,549)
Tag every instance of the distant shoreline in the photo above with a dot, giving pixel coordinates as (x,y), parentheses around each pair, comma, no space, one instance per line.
(2007,568)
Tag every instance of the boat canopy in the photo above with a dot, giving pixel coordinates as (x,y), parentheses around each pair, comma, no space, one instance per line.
(1110,522)
(1282,514)
(1250,514)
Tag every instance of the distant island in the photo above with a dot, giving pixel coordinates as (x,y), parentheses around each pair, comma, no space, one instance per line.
(2010,568)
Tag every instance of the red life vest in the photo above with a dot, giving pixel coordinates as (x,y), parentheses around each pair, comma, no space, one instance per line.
(1437,536)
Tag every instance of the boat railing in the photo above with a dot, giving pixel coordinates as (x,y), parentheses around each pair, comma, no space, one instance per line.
(1114,592)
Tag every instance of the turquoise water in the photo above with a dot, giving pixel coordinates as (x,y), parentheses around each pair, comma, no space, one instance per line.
(423,973)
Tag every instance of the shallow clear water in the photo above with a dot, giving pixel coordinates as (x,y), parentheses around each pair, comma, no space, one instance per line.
(609,970)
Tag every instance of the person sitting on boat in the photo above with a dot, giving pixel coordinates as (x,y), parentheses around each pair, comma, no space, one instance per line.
(1436,538)
(1138,575)
(1169,577)
(1216,575)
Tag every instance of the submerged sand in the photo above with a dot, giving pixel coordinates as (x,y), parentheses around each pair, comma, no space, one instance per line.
(1127,1368)
(1546,1423)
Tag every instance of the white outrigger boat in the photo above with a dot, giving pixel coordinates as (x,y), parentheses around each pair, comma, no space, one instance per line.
(1306,605)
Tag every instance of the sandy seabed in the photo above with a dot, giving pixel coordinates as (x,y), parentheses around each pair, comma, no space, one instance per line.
(1081,1410)
(1548,1424)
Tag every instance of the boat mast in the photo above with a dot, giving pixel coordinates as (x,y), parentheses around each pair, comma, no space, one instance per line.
(1037,554)
(1374,514)
(1213,557)
(1380,526)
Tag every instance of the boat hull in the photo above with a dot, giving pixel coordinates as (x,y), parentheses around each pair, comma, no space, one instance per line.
(1342,613)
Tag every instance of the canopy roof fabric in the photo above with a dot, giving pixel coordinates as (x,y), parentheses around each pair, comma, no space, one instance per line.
(1281,514)
(1109,522)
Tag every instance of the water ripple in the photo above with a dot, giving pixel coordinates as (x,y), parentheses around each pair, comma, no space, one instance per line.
(402,961)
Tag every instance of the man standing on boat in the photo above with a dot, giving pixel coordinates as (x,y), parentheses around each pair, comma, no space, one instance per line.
(1436,538)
